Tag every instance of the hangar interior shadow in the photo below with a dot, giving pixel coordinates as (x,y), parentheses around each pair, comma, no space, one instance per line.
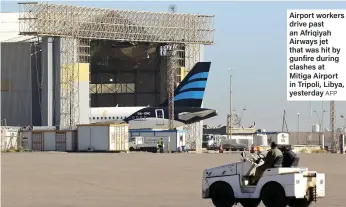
(128,74)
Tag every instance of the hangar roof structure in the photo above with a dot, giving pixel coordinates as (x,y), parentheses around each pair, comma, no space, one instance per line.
(44,19)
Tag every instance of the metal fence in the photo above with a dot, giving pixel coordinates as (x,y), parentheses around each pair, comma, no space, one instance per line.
(310,138)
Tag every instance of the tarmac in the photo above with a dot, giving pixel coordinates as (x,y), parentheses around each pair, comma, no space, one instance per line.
(43,179)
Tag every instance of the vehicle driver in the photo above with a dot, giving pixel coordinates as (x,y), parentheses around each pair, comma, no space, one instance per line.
(271,160)
(290,158)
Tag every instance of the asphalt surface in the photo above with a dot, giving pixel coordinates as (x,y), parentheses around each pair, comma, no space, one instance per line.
(129,180)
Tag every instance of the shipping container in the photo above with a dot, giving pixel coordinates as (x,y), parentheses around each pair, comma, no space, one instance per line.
(103,137)
(173,140)
(52,140)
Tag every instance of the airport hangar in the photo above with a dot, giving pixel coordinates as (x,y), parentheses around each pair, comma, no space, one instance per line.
(57,61)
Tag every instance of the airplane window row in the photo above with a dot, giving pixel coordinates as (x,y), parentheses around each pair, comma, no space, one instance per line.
(109,118)
(113,118)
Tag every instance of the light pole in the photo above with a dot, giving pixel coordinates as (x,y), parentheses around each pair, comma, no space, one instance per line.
(343,117)
(310,120)
(230,103)
(322,127)
(298,128)
(342,144)
(322,119)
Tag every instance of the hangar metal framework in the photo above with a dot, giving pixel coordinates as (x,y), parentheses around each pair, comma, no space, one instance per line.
(46,19)
(76,26)
(333,137)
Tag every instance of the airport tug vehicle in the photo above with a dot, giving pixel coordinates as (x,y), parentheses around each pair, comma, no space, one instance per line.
(231,184)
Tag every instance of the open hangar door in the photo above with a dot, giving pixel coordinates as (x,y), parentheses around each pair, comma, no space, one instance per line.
(129,74)
(124,74)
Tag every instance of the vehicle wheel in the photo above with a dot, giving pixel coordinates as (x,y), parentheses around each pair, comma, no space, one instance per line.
(131,149)
(273,195)
(250,202)
(222,195)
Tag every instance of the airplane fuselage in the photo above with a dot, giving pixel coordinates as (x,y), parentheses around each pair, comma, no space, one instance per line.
(150,117)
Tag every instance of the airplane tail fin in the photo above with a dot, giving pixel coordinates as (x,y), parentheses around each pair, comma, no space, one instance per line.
(190,91)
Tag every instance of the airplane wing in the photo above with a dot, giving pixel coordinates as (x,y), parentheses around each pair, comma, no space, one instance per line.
(187,116)
(110,122)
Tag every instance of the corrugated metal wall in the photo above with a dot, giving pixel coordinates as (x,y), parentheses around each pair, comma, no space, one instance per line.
(16,87)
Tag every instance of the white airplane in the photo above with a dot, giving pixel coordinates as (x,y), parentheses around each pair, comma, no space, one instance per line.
(187,106)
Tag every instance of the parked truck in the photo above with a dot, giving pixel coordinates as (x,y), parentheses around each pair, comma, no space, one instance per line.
(146,144)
